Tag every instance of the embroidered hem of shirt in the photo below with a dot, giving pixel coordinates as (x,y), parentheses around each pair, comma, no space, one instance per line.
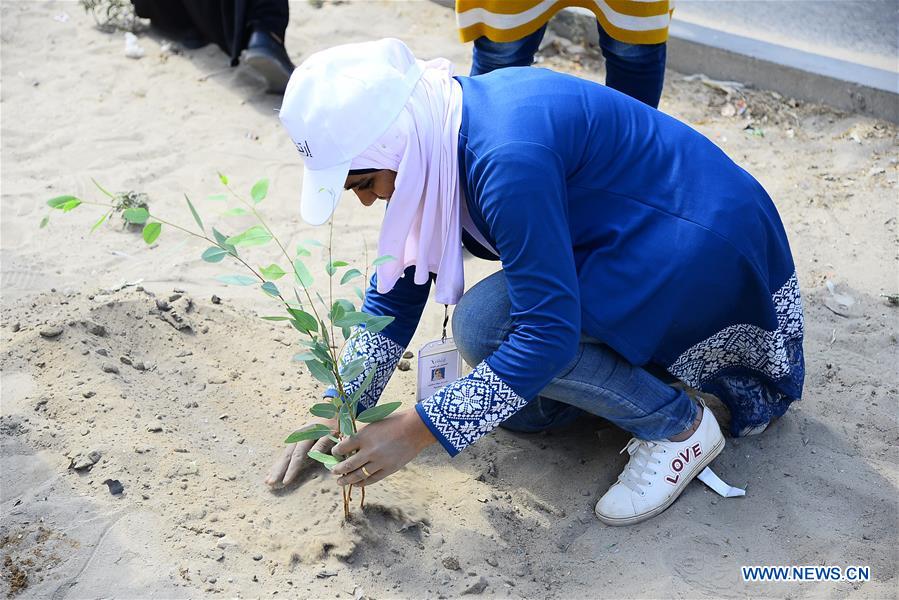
(469,408)
(747,346)
(380,353)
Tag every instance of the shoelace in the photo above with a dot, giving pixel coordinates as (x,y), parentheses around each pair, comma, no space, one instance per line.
(642,461)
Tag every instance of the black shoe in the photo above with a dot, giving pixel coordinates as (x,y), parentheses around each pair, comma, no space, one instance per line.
(192,39)
(266,55)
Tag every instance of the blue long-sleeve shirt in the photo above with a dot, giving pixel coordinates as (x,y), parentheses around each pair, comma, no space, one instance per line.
(614,219)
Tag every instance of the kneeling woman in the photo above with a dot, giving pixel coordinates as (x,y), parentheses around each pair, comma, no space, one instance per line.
(630,245)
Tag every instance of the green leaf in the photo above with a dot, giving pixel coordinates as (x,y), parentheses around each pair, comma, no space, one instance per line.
(376,324)
(321,372)
(275,318)
(304,277)
(383,259)
(352,369)
(100,222)
(345,421)
(236,279)
(313,432)
(152,231)
(314,242)
(193,211)
(326,459)
(322,352)
(350,275)
(254,236)
(336,312)
(300,326)
(321,300)
(222,240)
(302,320)
(325,410)
(235,212)
(324,332)
(359,293)
(346,304)
(271,289)
(100,187)
(302,251)
(60,201)
(223,179)
(136,215)
(259,191)
(378,412)
(304,356)
(214,254)
(71,205)
(332,266)
(363,386)
(217,197)
(44,221)
(273,272)
(353,318)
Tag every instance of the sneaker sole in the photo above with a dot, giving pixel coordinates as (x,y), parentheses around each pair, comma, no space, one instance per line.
(276,76)
(710,456)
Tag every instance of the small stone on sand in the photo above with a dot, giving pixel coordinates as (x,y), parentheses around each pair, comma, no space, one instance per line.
(51,332)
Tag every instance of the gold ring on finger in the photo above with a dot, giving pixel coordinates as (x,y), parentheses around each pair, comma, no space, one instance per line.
(367,474)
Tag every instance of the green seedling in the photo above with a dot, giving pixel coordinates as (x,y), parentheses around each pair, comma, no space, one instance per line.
(326,327)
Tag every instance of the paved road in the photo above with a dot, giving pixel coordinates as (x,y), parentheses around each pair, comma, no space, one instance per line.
(863,31)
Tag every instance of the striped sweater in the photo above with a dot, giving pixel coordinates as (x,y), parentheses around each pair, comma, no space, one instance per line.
(628,21)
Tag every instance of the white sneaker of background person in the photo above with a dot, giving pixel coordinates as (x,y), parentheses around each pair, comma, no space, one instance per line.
(658,471)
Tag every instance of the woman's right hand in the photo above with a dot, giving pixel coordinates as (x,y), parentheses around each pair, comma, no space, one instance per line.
(294,459)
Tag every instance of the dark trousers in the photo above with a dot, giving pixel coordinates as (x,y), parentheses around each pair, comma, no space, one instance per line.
(225,23)
(637,70)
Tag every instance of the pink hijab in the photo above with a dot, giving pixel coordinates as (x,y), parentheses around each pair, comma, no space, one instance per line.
(422,225)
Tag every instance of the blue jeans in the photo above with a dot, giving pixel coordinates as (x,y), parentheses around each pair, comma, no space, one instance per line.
(637,70)
(598,381)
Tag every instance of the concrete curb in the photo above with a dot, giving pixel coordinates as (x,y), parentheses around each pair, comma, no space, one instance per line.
(788,71)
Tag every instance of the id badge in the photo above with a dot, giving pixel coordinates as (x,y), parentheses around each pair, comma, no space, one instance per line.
(439,364)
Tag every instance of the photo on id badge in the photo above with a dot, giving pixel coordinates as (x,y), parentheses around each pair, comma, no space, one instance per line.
(439,364)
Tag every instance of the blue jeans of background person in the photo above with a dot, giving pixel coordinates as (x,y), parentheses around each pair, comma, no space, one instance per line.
(637,70)
(598,381)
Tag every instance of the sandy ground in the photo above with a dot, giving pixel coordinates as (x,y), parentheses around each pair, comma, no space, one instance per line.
(192,423)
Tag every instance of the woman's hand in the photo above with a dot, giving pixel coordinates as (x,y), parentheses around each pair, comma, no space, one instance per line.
(383,448)
(294,458)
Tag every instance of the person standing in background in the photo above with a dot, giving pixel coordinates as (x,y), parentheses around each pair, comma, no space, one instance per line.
(247,30)
(633,37)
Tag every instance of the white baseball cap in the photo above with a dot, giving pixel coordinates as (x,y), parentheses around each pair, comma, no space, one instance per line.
(338,102)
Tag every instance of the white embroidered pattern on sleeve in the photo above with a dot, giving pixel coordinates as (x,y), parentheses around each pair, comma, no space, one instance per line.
(380,353)
(472,406)
(747,346)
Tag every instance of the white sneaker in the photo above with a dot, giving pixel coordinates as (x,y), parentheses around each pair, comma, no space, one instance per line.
(658,472)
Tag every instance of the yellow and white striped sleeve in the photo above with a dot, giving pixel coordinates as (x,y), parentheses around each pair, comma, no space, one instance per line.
(628,21)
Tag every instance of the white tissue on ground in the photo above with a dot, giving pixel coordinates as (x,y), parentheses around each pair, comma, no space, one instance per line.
(708,477)
(132,48)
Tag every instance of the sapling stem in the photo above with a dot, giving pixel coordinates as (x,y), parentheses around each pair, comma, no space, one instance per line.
(324,346)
